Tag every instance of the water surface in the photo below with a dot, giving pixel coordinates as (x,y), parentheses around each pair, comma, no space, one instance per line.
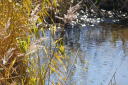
(102,55)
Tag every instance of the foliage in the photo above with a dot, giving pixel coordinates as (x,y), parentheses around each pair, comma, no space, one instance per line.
(18,28)
(13,24)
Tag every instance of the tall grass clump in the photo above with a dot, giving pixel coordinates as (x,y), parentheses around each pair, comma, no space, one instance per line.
(21,45)
(13,25)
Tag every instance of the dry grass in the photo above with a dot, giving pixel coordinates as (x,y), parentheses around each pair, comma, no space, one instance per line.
(17,21)
(13,23)
(21,43)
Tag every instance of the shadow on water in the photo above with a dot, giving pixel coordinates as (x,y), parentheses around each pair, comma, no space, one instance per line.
(104,47)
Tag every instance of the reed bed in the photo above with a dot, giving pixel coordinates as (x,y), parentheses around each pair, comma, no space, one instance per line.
(21,43)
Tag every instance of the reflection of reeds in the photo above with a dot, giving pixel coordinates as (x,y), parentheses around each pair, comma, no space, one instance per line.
(113,80)
(70,69)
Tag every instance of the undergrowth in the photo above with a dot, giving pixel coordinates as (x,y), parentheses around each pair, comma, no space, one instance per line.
(22,48)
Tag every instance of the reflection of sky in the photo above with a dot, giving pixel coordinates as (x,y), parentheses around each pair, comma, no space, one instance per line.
(105,58)
(103,63)
(106,54)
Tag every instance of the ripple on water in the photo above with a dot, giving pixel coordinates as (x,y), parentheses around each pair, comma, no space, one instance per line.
(105,48)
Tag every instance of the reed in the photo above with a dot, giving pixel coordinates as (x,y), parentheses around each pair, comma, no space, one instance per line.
(18,28)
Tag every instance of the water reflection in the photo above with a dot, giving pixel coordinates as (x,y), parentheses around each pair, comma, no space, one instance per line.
(105,47)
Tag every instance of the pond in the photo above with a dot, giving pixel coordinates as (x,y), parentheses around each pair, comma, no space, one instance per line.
(98,55)
(102,55)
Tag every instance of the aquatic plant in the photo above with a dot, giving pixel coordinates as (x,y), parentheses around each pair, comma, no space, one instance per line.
(18,28)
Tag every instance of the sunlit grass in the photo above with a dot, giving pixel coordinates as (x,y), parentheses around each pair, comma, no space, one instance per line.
(20,38)
(13,23)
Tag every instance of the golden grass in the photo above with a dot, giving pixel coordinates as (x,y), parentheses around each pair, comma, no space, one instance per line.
(17,20)
(13,23)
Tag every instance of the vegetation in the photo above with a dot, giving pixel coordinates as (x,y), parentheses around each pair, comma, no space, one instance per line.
(20,39)
(28,56)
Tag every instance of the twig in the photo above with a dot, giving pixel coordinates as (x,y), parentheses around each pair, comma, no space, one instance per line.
(71,13)
(71,66)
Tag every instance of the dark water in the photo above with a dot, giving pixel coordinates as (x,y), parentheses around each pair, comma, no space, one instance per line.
(100,55)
